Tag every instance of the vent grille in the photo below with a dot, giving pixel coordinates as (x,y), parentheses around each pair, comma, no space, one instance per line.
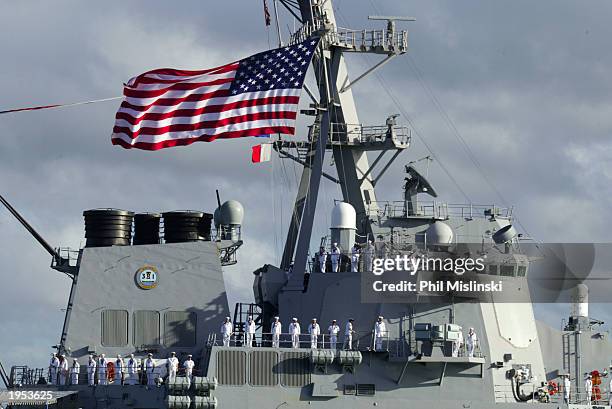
(264,368)
(114,328)
(146,328)
(180,328)
(231,367)
(349,389)
(366,389)
(295,369)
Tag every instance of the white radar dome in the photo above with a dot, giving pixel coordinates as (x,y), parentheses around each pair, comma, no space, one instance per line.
(230,213)
(439,233)
(343,216)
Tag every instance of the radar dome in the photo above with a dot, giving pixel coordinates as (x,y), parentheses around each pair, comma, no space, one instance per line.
(230,213)
(343,216)
(439,233)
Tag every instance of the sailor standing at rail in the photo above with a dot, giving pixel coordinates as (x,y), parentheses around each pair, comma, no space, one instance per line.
(314,330)
(102,380)
(588,388)
(295,331)
(119,369)
(91,370)
(188,365)
(380,331)
(150,368)
(457,345)
(63,370)
(132,370)
(226,331)
(277,329)
(335,257)
(249,327)
(566,389)
(322,258)
(53,366)
(348,334)
(173,364)
(74,372)
(333,331)
(470,342)
(355,258)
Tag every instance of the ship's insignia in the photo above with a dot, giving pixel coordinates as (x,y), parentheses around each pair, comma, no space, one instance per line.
(147,277)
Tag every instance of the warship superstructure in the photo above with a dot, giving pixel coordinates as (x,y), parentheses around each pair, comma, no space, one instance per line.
(125,279)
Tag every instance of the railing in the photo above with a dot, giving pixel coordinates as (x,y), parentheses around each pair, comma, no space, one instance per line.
(505,393)
(401,135)
(364,40)
(24,375)
(441,210)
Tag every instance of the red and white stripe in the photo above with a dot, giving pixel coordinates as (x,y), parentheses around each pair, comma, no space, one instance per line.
(166,107)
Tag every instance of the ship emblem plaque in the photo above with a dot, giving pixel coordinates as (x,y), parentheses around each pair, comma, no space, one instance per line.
(147,277)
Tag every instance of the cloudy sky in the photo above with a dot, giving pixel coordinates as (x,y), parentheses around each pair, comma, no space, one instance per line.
(525,84)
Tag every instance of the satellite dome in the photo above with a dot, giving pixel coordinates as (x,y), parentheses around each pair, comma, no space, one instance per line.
(343,216)
(230,213)
(439,233)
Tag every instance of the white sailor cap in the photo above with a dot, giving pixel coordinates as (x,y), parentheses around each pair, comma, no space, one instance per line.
(250,317)
(294,319)
(314,319)
(118,356)
(189,356)
(172,353)
(276,318)
(149,354)
(380,317)
(102,355)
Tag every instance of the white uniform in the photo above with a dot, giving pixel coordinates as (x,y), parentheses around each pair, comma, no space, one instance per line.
(457,345)
(63,372)
(348,335)
(566,388)
(335,259)
(295,331)
(150,367)
(355,259)
(470,343)
(53,366)
(333,330)
(610,390)
(91,372)
(74,373)
(119,368)
(132,371)
(380,331)
(173,364)
(226,332)
(314,330)
(276,333)
(188,365)
(250,332)
(322,260)
(102,379)
(588,388)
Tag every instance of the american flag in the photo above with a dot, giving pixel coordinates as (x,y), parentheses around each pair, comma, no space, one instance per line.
(255,96)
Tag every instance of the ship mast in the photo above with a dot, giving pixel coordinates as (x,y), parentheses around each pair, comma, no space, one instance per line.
(337,127)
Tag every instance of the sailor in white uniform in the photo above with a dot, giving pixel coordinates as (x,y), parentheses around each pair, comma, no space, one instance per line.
(277,329)
(314,330)
(355,253)
(368,257)
(63,370)
(102,362)
(380,331)
(74,372)
(456,346)
(150,368)
(295,331)
(188,365)
(348,334)
(588,388)
(173,364)
(226,331)
(335,257)
(249,327)
(119,369)
(470,342)
(333,331)
(91,370)
(132,370)
(322,257)
(53,367)
(567,388)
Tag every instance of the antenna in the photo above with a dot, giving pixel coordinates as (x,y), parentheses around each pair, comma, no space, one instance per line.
(218,199)
(59,260)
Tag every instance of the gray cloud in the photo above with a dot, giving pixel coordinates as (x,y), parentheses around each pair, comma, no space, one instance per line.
(524,82)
